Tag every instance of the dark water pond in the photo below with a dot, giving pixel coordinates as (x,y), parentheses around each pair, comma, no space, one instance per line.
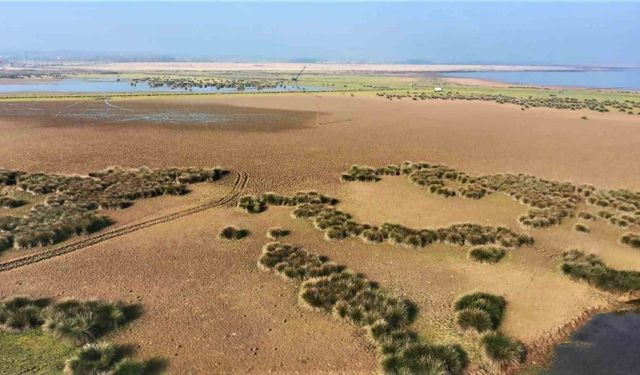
(609,344)
(627,79)
(74,85)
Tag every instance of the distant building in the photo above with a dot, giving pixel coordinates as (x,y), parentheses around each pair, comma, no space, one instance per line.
(437,89)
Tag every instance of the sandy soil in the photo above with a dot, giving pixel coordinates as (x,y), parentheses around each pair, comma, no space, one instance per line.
(294,67)
(207,305)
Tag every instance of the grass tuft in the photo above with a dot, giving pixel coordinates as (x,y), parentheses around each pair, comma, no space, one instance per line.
(487,254)
(502,350)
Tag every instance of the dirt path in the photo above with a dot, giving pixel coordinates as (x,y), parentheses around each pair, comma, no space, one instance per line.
(240,182)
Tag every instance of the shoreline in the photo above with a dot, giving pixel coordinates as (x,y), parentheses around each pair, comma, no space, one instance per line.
(486,82)
(541,351)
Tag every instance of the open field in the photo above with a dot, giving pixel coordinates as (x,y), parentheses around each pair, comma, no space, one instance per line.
(207,305)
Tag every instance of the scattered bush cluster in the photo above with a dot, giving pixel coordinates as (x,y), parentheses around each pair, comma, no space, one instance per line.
(330,288)
(487,254)
(483,313)
(591,269)
(552,101)
(71,202)
(369,174)
(626,203)
(631,239)
(73,320)
(79,322)
(549,201)
(256,204)
(338,225)
(233,233)
(622,220)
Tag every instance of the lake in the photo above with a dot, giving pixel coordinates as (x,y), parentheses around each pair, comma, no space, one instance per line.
(623,79)
(76,85)
(607,345)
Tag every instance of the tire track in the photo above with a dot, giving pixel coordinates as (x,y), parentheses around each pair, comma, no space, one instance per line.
(241,178)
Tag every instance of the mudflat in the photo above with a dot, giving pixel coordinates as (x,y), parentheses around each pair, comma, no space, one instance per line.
(208,308)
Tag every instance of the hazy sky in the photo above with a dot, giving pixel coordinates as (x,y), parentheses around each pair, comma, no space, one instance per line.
(537,33)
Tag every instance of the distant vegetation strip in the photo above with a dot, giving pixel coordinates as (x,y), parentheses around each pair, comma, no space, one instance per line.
(331,288)
(629,106)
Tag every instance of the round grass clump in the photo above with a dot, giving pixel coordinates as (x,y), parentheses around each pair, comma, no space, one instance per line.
(493,305)
(487,254)
(95,358)
(233,233)
(275,233)
(580,227)
(474,318)
(502,350)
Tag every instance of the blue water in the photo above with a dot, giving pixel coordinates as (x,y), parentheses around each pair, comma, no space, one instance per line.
(609,344)
(624,79)
(72,85)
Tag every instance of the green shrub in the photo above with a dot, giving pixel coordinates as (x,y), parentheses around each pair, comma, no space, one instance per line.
(275,233)
(93,359)
(252,205)
(631,239)
(580,227)
(586,215)
(502,350)
(233,233)
(487,254)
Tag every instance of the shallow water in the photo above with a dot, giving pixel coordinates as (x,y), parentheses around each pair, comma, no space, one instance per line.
(609,344)
(627,79)
(74,85)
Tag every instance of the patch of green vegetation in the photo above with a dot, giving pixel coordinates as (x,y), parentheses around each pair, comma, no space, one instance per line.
(27,349)
(32,352)
(590,268)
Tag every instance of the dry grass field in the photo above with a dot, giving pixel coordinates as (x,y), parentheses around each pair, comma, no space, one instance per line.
(207,306)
